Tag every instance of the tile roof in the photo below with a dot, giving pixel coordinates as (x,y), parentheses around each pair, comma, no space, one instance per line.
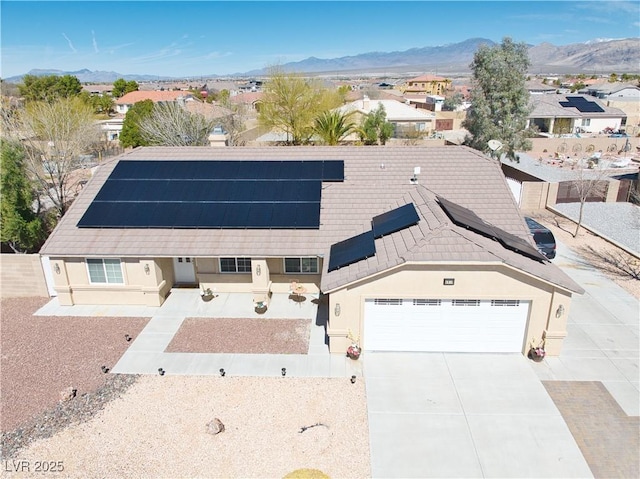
(428,78)
(377,179)
(396,110)
(545,106)
(156,96)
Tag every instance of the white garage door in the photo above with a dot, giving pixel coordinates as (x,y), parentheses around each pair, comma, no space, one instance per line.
(445,325)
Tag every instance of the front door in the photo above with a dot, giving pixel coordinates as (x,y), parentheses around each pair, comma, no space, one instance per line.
(184,271)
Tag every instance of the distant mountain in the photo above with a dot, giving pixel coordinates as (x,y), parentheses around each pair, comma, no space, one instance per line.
(87,76)
(596,56)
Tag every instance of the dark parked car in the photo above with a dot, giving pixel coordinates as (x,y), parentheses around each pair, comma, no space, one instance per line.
(543,237)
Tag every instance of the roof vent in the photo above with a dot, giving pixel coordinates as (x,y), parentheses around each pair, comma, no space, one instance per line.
(416,172)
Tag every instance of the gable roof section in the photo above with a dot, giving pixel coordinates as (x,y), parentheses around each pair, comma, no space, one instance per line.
(551,106)
(395,110)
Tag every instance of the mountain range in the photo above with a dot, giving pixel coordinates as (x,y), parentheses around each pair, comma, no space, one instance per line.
(594,57)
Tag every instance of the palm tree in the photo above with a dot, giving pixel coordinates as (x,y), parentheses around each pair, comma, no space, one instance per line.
(333,126)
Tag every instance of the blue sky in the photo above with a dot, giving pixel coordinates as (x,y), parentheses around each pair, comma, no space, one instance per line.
(214,37)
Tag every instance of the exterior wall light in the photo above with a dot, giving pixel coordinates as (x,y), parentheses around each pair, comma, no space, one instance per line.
(258,270)
(449,281)
(559,311)
(56,268)
(146,268)
(337,309)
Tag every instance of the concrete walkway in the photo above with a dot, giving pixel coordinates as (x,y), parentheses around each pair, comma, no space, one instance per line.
(147,352)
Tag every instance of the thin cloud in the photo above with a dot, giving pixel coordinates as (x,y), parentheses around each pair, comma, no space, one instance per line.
(73,49)
(95,43)
(215,55)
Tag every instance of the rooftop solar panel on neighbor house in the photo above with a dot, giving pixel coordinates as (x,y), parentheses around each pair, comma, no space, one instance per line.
(351,250)
(212,194)
(394,220)
(581,104)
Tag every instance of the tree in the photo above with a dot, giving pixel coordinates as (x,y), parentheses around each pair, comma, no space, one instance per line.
(375,128)
(499,99)
(20,226)
(332,127)
(170,124)
(121,87)
(49,87)
(54,135)
(453,101)
(131,136)
(588,182)
(291,103)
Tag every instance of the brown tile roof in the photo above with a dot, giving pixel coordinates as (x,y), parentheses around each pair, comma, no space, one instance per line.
(377,179)
(155,96)
(427,78)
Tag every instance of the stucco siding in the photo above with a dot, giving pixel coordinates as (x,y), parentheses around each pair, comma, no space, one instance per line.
(426,282)
(22,276)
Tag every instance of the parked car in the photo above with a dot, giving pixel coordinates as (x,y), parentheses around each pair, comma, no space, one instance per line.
(543,237)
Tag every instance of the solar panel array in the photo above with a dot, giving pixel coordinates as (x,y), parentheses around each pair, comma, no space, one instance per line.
(394,220)
(351,250)
(212,194)
(468,219)
(363,246)
(582,104)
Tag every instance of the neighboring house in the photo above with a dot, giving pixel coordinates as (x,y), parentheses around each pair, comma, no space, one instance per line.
(405,119)
(252,100)
(127,101)
(412,248)
(572,113)
(614,91)
(427,85)
(210,111)
(98,90)
(112,127)
(536,87)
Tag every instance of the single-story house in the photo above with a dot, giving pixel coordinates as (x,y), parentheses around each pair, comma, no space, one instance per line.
(412,248)
(573,113)
(405,119)
(614,91)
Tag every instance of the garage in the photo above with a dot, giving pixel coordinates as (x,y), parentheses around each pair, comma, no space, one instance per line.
(445,325)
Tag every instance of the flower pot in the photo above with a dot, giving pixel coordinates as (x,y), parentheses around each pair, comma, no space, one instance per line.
(536,354)
(206,297)
(260,309)
(353,352)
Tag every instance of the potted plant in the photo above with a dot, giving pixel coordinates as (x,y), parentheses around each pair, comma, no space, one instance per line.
(536,351)
(206,294)
(353,351)
(261,307)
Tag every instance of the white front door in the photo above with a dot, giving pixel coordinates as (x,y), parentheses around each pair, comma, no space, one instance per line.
(445,325)
(184,270)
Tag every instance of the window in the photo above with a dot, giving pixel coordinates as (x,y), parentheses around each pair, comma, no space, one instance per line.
(106,271)
(586,122)
(465,302)
(388,302)
(235,265)
(427,302)
(505,302)
(301,265)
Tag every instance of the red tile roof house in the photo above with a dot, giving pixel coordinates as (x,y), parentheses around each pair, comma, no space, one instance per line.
(414,248)
(127,101)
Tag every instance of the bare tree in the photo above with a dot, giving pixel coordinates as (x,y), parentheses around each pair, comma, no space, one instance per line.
(589,183)
(169,124)
(54,135)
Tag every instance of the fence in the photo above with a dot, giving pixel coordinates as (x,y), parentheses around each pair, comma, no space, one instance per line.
(22,275)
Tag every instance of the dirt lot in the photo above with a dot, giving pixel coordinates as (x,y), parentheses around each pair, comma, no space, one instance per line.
(43,355)
(595,250)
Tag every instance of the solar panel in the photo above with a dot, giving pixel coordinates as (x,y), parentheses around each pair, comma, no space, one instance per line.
(351,250)
(466,218)
(211,194)
(395,220)
(581,104)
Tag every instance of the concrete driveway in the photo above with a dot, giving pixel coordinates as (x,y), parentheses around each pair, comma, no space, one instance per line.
(464,415)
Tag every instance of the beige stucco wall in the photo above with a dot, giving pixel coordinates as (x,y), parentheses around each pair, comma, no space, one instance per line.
(472,281)
(142,286)
(21,275)
(534,195)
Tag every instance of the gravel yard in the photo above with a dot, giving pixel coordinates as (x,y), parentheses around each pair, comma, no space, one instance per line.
(243,336)
(159,429)
(43,355)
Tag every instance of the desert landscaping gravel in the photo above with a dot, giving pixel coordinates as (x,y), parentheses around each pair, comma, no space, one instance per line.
(44,355)
(272,426)
(242,336)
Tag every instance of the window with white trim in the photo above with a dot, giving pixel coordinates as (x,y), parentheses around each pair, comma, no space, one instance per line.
(105,271)
(306,265)
(235,265)
(586,122)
